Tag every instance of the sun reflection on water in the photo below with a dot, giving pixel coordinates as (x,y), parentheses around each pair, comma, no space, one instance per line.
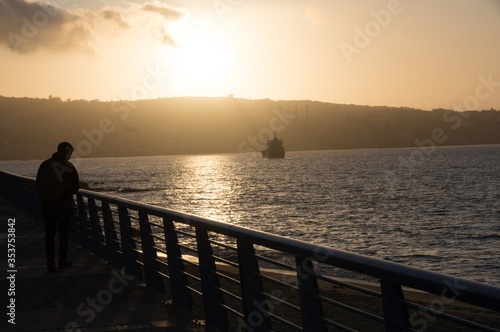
(209,183)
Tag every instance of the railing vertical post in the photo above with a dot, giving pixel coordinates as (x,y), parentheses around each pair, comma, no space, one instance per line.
(178,280)
(311,307)
(149,256)
(74,226)
(215,314)
(395,313)
(254,301)
(83,226)
(129,248)
(96,229)
(112,245)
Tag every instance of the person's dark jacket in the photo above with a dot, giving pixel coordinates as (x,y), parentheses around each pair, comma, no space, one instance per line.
(57,179)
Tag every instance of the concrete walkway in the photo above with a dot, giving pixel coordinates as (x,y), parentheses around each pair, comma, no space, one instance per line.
(89,296)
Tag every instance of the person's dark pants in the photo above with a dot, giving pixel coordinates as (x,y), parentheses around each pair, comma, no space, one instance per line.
(56,215)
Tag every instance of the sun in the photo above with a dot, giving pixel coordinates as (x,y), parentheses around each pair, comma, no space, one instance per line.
(203,62)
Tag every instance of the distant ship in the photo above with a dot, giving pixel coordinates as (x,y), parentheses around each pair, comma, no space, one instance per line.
(275,148)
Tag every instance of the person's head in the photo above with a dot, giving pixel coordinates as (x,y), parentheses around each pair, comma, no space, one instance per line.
(65,149)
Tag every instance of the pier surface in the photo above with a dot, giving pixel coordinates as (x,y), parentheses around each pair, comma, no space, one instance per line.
(89,296)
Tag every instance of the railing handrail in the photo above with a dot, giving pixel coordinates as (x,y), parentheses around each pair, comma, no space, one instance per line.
(467,291)
(471,292)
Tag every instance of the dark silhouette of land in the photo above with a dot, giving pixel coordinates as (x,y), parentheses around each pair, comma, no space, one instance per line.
(31,127)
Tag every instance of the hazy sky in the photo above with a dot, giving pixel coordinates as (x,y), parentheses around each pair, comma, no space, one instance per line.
(421,53)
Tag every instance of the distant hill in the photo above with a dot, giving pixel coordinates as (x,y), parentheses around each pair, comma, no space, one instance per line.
(32,128)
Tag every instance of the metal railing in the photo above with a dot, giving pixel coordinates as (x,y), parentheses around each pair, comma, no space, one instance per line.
(245,280)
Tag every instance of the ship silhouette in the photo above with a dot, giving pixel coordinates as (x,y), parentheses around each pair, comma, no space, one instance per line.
(275,148)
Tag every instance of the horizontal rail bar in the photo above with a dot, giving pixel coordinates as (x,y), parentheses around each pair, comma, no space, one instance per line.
(275,262)
(337,325)
(448,317)
(276,281)
(349,308)
(350,286)
(284,321)
(283,302)
(228,278)
(223,245)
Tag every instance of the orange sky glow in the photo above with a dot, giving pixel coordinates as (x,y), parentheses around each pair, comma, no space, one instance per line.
(423,54)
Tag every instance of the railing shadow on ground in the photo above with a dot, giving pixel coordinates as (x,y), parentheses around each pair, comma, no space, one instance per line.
(238,279)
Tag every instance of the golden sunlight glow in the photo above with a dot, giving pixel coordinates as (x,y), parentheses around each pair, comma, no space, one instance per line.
(211,189)
(349,52)
(202,62)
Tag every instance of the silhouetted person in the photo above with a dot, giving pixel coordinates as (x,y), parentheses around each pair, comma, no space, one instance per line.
(57,181)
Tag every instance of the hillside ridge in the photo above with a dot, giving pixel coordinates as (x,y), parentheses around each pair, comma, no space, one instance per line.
(32,127)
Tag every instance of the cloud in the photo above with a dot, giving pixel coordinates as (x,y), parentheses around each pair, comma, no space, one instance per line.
(114,16)
(27,27)
(315,16)
(168,12)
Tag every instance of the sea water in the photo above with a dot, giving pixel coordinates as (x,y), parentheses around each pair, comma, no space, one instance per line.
(434,208)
